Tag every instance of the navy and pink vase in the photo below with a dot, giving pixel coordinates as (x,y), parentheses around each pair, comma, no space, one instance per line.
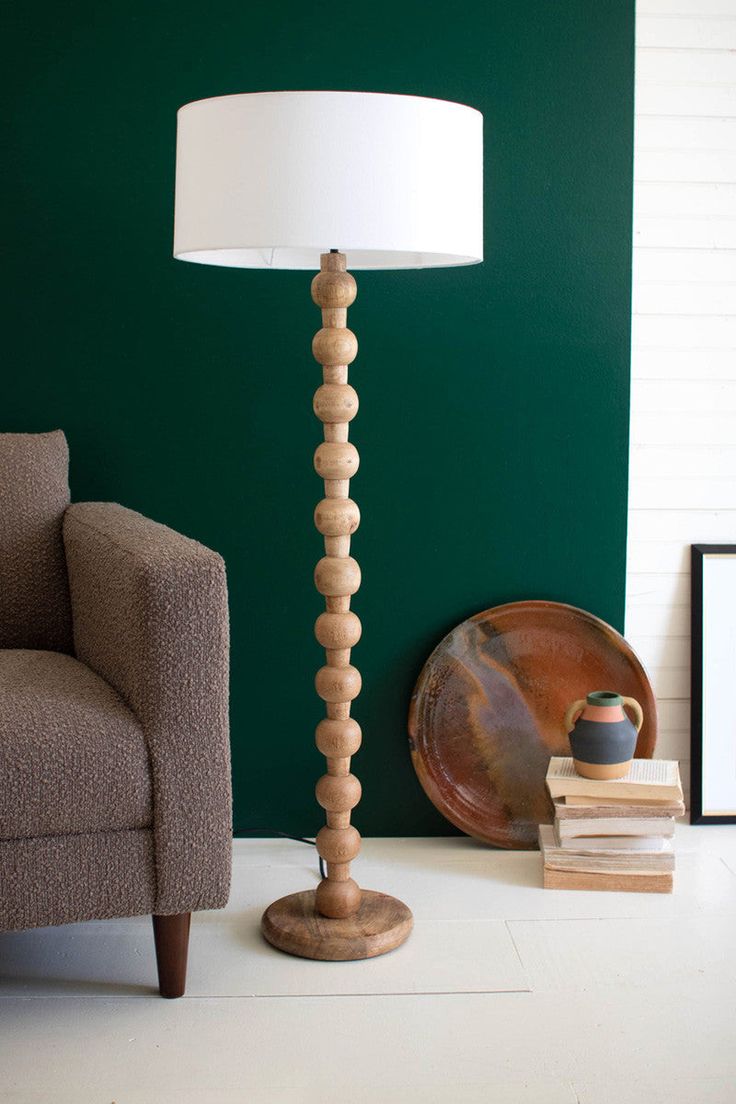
(602,737)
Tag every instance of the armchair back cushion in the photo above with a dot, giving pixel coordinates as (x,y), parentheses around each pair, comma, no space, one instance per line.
(34,493)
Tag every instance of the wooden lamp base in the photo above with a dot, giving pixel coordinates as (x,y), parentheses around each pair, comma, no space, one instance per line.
(338,921)
(293,924)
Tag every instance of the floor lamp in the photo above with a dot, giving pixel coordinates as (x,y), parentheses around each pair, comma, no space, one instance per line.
(300,180)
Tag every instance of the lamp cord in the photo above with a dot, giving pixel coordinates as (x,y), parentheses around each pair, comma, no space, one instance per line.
(283,835)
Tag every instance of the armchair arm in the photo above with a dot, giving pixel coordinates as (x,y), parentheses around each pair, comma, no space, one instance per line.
(149,610)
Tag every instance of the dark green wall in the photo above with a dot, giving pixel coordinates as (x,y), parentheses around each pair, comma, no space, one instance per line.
(494,399)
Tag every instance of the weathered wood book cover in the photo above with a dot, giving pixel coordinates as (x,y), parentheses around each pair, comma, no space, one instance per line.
(568,808)
(613,883)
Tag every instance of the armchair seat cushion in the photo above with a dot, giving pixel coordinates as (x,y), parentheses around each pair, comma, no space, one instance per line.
(73,757)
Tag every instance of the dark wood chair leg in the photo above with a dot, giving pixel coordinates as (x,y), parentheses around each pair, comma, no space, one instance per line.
(171,935)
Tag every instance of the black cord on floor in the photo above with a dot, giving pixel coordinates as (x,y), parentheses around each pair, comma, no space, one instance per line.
(283,835)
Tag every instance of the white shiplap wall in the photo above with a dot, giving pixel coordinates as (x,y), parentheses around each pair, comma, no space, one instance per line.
(682,484)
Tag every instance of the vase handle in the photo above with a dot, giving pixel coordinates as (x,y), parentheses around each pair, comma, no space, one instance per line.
(571,714)
(637,710)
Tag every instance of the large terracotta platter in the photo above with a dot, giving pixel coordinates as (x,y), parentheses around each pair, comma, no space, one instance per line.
(487,710)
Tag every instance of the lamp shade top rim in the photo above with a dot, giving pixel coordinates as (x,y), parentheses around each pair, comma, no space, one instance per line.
(327,92)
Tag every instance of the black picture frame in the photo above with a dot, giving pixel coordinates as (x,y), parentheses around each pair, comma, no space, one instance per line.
(698,552)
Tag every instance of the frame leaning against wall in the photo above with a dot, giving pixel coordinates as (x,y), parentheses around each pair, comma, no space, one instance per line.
(712,713)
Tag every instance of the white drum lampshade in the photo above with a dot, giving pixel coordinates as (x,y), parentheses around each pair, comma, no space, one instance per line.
(274,179)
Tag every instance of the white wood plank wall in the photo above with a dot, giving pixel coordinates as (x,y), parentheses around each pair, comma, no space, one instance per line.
(682,483)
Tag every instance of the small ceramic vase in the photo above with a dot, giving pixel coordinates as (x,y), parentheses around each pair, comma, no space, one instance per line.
(602,737)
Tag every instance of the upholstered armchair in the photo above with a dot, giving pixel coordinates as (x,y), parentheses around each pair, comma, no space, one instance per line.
(114,756)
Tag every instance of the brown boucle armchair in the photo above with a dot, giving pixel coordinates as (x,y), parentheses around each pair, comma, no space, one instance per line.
(114,756)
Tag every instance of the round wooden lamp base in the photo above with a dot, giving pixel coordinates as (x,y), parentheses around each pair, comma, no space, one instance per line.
(293,924)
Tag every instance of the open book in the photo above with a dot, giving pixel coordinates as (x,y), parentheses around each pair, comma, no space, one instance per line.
(657,779)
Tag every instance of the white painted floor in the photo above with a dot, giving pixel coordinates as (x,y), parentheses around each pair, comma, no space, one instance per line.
(505,993)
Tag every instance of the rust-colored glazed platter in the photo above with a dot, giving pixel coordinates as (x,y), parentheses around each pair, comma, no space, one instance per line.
(487,712)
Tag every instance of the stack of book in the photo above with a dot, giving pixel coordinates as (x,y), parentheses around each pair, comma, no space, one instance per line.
(613,834)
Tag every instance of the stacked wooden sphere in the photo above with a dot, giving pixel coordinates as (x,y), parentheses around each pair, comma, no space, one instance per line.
(337,577)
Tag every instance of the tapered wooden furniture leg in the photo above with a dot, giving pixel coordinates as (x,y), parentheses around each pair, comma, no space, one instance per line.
(171,936)
(338,920)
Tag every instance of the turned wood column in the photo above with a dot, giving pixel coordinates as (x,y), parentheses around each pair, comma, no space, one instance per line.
(337,921)
(337,577)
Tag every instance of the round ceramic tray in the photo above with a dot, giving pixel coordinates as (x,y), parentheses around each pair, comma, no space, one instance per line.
(487,712)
